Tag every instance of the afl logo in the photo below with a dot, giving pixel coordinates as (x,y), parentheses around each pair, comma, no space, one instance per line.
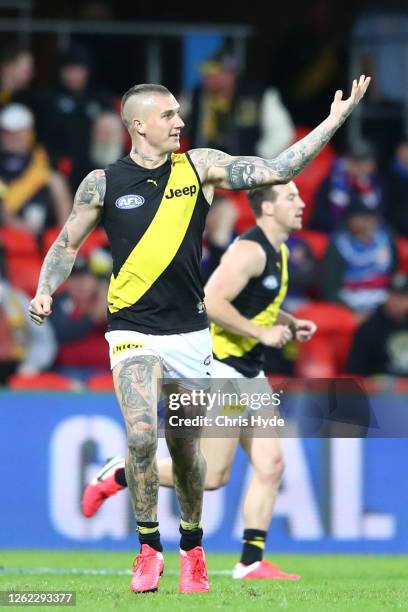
(270,282)
(129,201)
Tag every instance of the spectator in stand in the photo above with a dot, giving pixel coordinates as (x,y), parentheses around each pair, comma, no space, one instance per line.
(16,72)
(380,345)
(107,141)
(219,232)
(381,35)
(236,115)
(379,39)
(25,348)
(397,190)
(355,174)
(67,113)
(79,320)
(360,260)
(32,196)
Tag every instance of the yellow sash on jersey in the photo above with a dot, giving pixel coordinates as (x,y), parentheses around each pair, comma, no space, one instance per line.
(161,241)
(226,344)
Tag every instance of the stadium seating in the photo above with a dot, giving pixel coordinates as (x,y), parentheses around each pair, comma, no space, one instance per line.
(22,258)
(18,242)
(317,241)
(96,239)
(325,355)
(44,381)
(100,382)
(402,250)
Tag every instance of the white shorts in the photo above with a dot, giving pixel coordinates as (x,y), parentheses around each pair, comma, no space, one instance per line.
(252,394)
(183,356)
(223,373)
(223,370)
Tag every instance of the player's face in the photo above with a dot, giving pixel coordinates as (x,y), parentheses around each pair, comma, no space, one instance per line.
(163,124)
(289,207)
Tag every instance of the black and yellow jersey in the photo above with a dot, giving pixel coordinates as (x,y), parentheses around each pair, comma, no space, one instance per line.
(260,301)
(154,220)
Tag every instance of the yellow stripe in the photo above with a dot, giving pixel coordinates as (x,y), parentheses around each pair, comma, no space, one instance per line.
(159,244)
(147,530)
(189,526)
(226,344)
(255,543)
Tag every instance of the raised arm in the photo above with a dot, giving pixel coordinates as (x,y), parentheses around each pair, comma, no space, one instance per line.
(221,170)
(57,265)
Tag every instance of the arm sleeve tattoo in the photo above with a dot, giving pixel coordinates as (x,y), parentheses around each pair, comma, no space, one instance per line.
(250,172)
(86,212)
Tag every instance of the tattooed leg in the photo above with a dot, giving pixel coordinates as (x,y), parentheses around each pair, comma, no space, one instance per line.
(136,386)
(189,467)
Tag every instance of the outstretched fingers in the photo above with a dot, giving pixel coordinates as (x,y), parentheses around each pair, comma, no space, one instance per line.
(358,90)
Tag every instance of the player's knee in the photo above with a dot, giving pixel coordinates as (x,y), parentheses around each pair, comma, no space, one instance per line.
(271,469)
(186,454)
(142,442)
(216,479)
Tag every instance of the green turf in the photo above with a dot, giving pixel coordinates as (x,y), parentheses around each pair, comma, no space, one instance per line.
(328,583)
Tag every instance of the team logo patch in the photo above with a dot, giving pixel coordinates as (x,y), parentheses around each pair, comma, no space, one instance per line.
(129,201)
(207,360)
(270,282)
(125,346)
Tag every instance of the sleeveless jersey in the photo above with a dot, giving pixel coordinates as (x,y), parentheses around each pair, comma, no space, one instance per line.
(259,301)
(154,220)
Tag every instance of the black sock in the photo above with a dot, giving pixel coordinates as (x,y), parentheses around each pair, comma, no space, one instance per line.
(149,534)
(254,544)
(120,477)
(190,538)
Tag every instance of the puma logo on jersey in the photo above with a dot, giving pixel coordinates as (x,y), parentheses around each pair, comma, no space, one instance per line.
(177,193)
(152,181)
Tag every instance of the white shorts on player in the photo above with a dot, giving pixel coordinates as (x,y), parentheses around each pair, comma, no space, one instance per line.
(227,380)
(186,358)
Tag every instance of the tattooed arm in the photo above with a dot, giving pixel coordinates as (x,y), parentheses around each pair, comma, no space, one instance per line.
(218,169)
(57,265)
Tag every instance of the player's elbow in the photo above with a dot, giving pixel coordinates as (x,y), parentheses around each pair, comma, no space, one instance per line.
(215,306)
(212,306)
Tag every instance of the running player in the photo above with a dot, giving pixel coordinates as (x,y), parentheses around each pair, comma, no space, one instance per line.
(152,204)
(243,298)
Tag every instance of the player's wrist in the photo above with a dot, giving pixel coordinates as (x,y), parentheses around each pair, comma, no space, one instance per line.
(257,332)
(338,118)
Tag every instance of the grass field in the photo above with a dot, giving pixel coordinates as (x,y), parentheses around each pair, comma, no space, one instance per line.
(328,583)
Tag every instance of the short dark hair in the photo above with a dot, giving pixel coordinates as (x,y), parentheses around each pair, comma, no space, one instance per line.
(259,195)
(144,88)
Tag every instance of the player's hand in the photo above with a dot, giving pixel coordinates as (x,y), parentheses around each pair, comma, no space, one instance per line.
(304,329)
(340,109)
(40,308)
(276,336)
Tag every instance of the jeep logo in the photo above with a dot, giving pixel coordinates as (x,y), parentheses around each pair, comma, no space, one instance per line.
(177,193)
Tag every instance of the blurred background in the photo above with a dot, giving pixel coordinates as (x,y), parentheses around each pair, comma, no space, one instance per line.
(251,80)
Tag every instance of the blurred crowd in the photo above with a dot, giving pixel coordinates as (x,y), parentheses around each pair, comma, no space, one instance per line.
(348,266)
